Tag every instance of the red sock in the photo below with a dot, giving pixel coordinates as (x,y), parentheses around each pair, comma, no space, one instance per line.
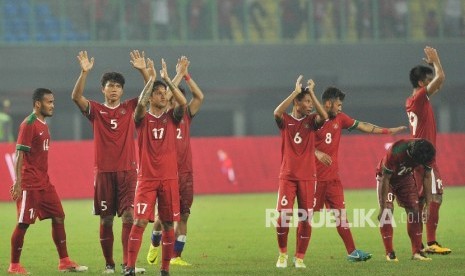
(167,247)
(106,242)
(59,237)
(344,232)
(387,234)
(17,241)
(125,231)
(134,242)
(415,234)
(304,232)
(432,222)
(282,233)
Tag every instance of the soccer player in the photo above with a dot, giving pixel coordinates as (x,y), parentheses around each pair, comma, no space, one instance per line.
(395,179)
(185,170)
(329,190)
(297,174)
(427,83)
(115,155)
(157,180)
(35,196)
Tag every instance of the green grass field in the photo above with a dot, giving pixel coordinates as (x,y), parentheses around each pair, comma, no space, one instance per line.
(227,236)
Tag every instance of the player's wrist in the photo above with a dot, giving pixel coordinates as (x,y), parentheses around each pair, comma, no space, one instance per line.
(384,131)
(187,77)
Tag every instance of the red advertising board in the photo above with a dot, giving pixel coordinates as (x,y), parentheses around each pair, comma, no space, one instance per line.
(236,165)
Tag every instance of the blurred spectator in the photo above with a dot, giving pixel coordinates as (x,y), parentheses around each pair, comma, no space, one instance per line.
(225,12)
(453,18)
(138,19)
(319,7)
(161,19)
(387,18)
(364,19)
(256,13)
(198,18)
(432,24)
(401,17)
(6,124)
(292,18)
(106,16)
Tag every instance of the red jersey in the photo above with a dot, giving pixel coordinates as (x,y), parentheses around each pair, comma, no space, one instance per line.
(183,144)
(34,141)
(421,116)
(327,140)
(397,162)
(297,148)
(157,147)
(114,131)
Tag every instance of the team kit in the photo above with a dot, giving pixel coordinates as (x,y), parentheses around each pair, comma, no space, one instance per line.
(158,186)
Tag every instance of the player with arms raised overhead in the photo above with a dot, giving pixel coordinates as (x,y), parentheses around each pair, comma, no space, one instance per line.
(427,83)
(329,190)
(35,196)
(297,176)
(158,171)
(185,169)
(394,176)
(115,155)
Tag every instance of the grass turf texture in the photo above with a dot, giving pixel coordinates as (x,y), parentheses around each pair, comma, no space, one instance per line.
(227,236)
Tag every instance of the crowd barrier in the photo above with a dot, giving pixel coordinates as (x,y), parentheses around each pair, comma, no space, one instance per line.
(236,165)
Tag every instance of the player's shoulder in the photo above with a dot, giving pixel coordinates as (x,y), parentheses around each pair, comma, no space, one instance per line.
(31,119)
(399,146)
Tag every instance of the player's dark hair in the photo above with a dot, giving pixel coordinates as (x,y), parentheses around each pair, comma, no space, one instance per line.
(332,93)
(112,77)
(157,84)
(39,93)
(422,151)
(302,94)
(419,73)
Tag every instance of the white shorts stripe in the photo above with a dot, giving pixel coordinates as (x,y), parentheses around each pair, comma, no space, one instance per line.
(23,206)
(433,183)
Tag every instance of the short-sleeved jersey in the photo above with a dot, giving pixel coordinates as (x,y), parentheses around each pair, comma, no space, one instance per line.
(34,141)
(183,144)
(114,134)
(397,162)
(297,148)
(157,147)
(421,116)
(327,140)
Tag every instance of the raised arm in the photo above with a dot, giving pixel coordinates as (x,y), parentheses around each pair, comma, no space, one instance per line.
(371,128)
(432,57)
(143,101)
(178,96)
(197,95)
(282,107)
(78,90)
(323,115)
(138,62)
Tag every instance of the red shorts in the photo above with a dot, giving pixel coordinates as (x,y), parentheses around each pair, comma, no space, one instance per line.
(42,204)
(436,180)
(329,193)
(186,192)
(289,189)
(147,194)
(403,190)
(114,192)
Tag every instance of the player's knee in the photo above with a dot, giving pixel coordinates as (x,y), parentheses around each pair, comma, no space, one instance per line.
(167,225)
(127,217)
(184,217)
(141,222)
(23,226)
(57,220)
(437,198)
(107,220)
